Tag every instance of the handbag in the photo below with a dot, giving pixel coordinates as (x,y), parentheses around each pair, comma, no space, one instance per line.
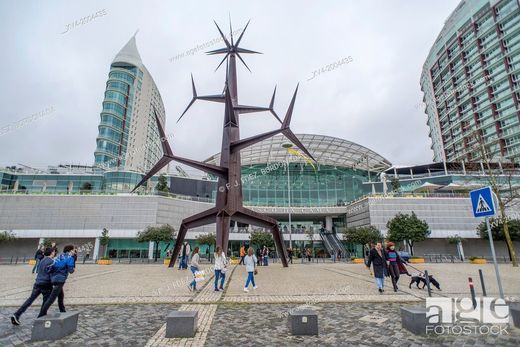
(199,276)
(255,272)
(224,269)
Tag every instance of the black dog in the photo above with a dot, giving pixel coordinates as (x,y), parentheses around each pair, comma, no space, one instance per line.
(422,279)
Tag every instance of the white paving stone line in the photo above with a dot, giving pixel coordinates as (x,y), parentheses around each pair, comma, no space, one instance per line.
(206,314)
(336,298)
(109,300)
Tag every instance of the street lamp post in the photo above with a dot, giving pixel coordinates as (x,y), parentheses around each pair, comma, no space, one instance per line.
(287,146)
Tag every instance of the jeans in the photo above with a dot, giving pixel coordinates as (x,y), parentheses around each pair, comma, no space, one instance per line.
(222,279)
(182,263)
(193,283)
(57,292)
(35,267)
(242,260)
(250,278)
(380,282)
(218,273)
(44,289)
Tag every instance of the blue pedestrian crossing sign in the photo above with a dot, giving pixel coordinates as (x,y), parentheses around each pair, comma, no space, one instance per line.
(482,202)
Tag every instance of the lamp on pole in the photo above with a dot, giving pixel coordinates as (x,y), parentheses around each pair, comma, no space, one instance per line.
(287,146)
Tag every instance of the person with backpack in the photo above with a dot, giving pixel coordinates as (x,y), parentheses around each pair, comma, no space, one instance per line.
(59,270)
(42,285)
(220,266)
(250,262)
(38,257)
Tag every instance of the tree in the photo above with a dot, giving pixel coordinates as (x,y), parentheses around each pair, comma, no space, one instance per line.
(86,187)
(103,241)
(7,236)
(409,228)
(504,195)
(497,228)
(163,233)
(208,239)
(363,236)
(262,238)
(395,184)
(162,184)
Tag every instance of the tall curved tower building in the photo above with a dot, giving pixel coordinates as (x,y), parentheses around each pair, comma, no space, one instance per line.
(471,83)
(128,134)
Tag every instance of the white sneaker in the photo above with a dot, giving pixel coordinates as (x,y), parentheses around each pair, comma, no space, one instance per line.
(246,290)
(255,287)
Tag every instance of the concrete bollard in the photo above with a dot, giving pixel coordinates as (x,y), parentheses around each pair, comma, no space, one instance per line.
(303,322)
(413,319)
(181,324)
(54,326)
(514,311)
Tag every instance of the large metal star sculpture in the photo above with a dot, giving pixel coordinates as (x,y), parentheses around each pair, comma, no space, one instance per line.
(229,204)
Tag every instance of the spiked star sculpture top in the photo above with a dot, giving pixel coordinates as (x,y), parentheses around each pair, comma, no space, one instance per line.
(229,194)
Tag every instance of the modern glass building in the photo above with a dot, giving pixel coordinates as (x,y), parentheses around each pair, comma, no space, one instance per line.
(471,82)
(336,179)
(128,135)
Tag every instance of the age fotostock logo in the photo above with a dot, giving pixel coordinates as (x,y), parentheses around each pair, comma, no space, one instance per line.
(458,316)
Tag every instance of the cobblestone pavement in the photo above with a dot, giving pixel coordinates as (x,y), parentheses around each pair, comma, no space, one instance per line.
(98,325)
(339,325)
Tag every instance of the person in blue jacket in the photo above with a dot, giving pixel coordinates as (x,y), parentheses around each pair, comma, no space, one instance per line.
(63,265)
(42,285)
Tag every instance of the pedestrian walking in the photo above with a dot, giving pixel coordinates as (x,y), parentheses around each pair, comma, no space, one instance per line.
(194,266)
(250,261)
(265,256)
(290,254)
(38,256)
(333,256)
(220,266)
(185,255)
(395,264)
(377,259)
(42,285)
(86,257)
(258,256)
(60,269)
(242,255)
(309,254)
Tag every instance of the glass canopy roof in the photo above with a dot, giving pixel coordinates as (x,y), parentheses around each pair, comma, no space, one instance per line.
(327,150)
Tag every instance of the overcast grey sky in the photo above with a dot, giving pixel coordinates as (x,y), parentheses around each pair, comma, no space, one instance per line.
(371,101)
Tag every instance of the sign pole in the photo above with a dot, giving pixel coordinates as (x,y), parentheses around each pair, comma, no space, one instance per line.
(494,258)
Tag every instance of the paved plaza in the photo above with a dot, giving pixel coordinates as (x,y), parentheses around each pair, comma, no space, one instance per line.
(126,305)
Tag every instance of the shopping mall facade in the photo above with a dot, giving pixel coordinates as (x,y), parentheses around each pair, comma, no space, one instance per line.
(350,185)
